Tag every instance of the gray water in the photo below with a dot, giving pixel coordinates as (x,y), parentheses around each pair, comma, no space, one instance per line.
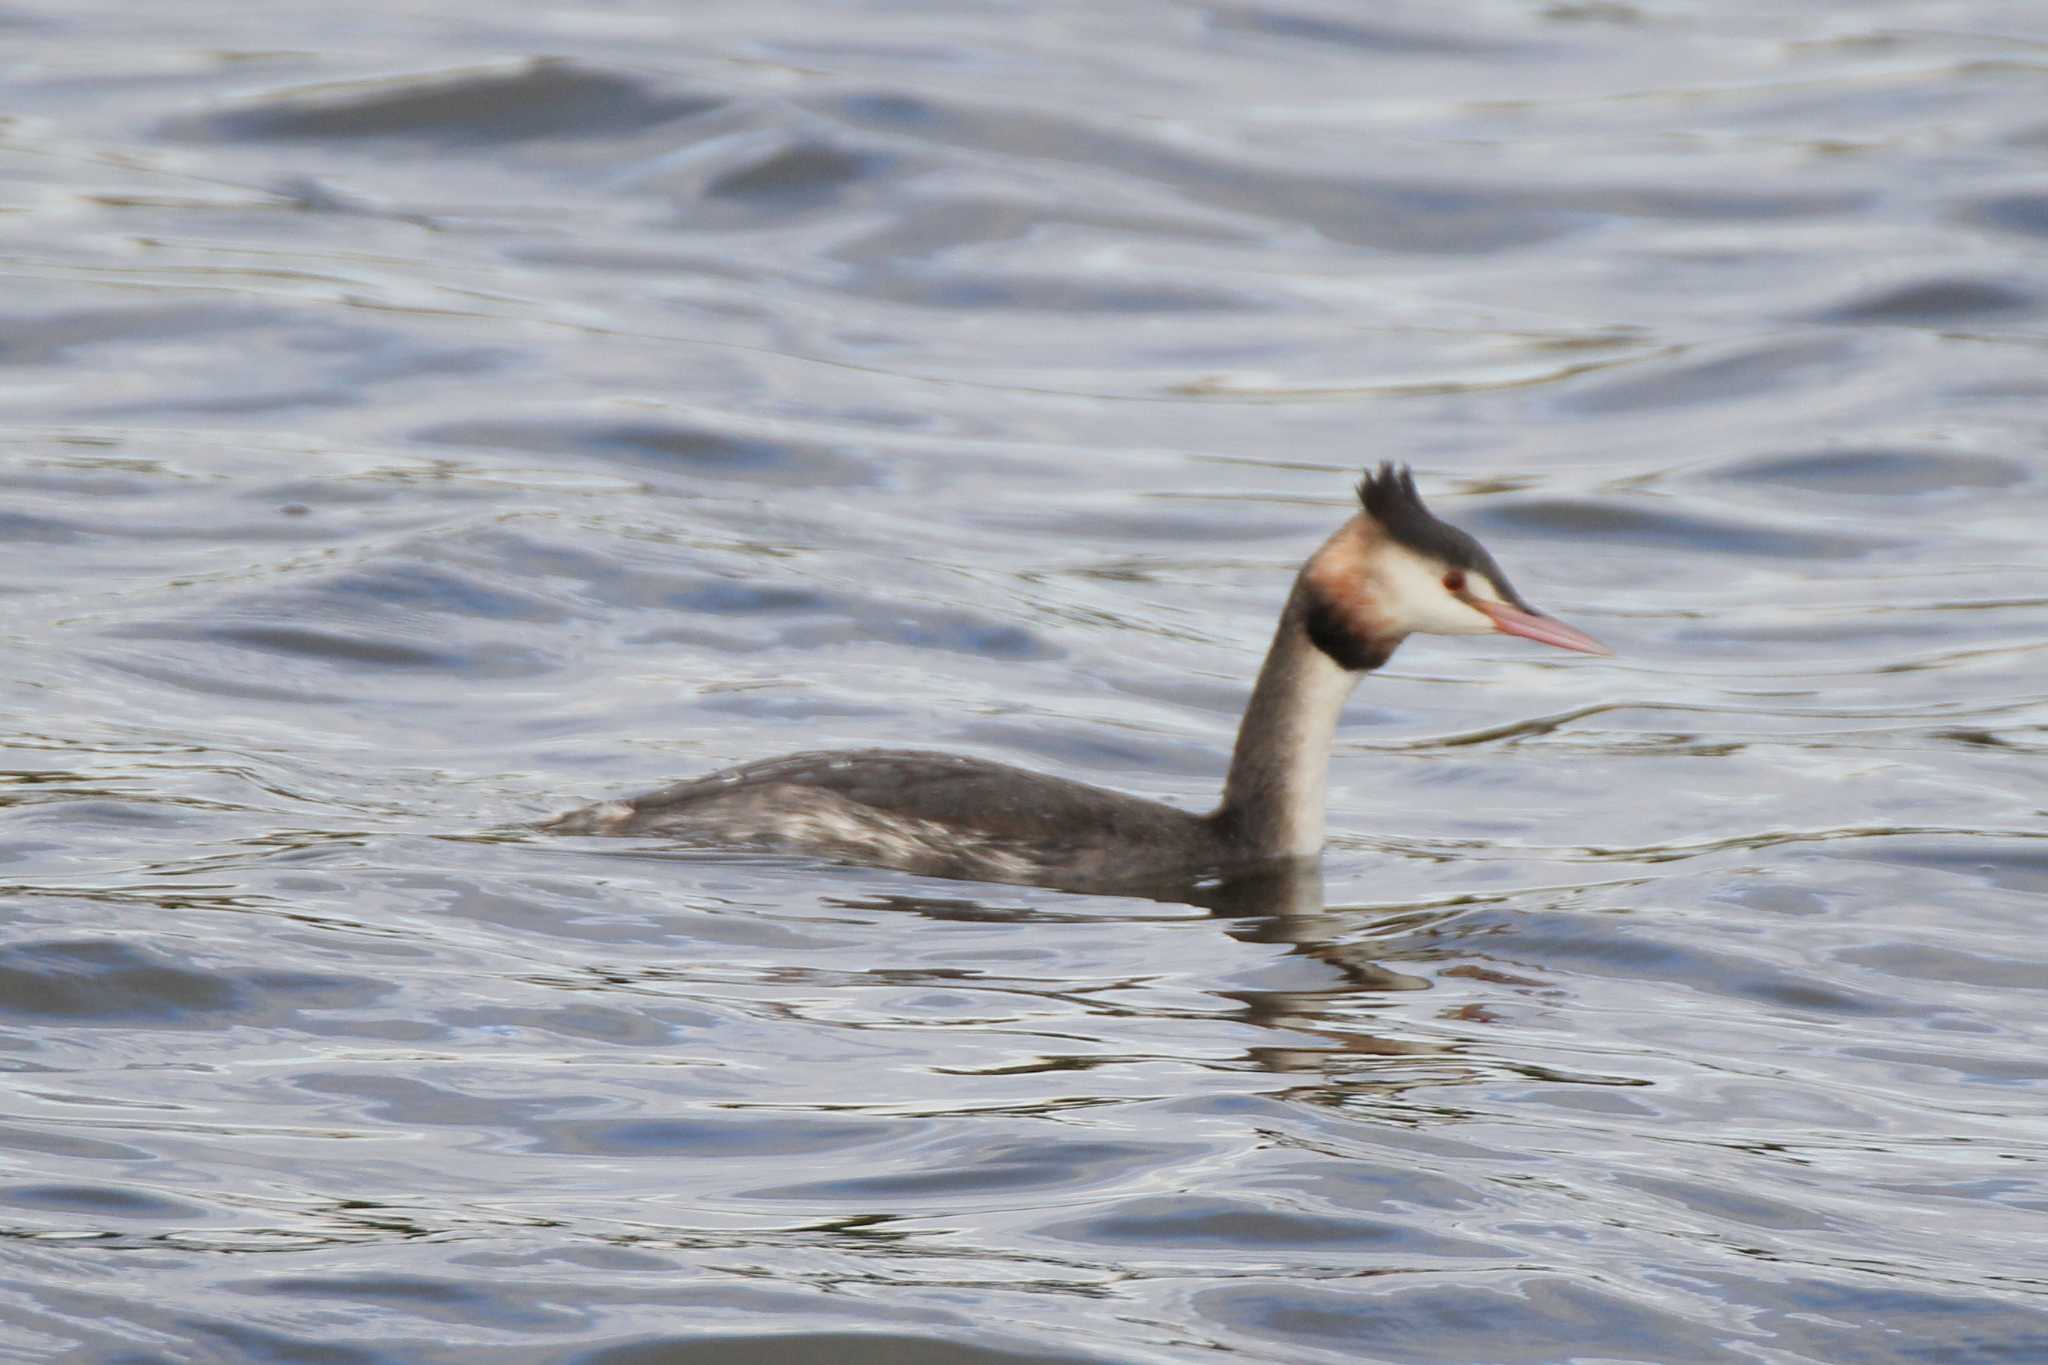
(421,419)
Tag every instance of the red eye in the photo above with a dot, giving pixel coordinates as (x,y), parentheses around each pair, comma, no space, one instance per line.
(1454,581)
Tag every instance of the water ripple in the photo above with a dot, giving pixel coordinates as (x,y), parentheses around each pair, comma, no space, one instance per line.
(405,448)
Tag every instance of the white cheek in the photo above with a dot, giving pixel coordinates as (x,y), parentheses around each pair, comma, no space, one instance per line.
(1412,593)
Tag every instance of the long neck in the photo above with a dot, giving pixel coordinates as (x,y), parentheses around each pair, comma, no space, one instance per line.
(1273,799)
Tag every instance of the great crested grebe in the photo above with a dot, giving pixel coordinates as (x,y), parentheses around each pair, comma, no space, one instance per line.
(1391,571)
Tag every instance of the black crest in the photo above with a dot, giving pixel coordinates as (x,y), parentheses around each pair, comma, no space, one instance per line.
(1389,498)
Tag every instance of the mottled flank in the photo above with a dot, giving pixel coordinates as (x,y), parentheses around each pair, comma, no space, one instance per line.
(935,814)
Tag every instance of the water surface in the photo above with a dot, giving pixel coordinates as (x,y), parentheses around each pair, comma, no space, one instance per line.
(417,423)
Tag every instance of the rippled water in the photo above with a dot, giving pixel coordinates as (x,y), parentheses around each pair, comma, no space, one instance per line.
(419,420)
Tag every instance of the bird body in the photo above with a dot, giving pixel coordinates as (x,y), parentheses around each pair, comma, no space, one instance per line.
(936,814)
